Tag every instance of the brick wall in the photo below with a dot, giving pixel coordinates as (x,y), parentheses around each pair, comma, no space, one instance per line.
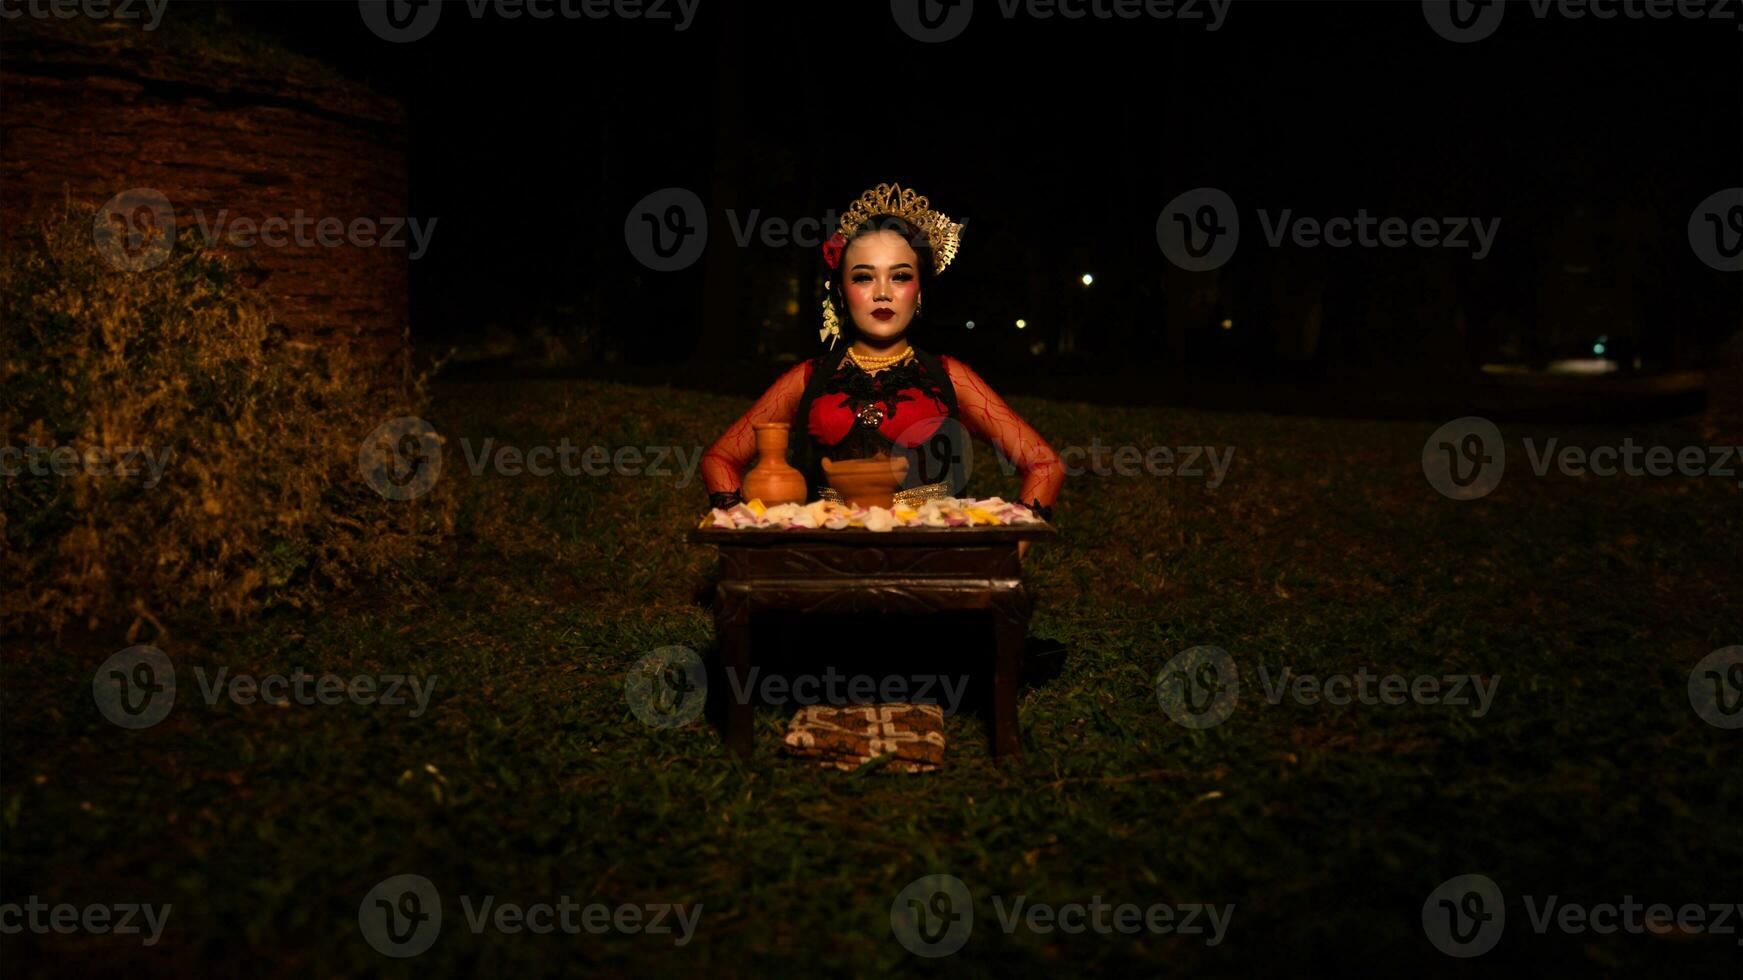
(223,139)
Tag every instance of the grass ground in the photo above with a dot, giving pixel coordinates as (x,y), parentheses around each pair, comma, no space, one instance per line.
(1325,550)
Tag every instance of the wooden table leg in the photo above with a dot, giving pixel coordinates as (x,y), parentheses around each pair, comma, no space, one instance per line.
(732,625)
(1010,626)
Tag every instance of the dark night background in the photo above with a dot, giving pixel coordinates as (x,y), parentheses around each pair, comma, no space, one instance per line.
(330,505)
(1059,143)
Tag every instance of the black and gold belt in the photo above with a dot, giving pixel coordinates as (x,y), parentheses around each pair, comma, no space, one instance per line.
(910,497)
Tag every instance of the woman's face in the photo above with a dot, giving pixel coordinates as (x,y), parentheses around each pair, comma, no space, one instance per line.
(882,284)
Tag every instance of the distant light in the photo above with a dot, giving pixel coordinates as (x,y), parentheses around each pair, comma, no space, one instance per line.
(1087,279)
(1228,324)
(971,324)
(1590,365)
(1021,324)
(1597,348)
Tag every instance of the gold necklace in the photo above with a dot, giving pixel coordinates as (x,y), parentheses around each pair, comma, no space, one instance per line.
(865,361)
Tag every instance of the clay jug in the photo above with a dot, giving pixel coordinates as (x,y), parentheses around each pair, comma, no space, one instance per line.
(772,480)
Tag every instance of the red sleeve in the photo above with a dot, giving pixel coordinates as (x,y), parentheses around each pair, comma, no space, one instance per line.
(724,462)
(987,416)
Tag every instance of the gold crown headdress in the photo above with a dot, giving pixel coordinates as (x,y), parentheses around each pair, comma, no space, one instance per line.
(935,228)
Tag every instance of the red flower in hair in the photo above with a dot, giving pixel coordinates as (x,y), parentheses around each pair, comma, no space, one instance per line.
(832,250)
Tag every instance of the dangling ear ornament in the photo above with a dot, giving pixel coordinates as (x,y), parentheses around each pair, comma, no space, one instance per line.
(831,322)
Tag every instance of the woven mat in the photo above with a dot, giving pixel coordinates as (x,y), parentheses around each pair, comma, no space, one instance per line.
(849,737)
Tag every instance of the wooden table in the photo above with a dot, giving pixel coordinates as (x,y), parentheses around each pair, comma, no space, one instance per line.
(852,570)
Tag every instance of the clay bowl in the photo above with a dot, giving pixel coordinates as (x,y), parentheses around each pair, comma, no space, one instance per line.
(866,482)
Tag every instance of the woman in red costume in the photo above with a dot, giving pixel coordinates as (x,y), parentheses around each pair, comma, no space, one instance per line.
(877,393)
